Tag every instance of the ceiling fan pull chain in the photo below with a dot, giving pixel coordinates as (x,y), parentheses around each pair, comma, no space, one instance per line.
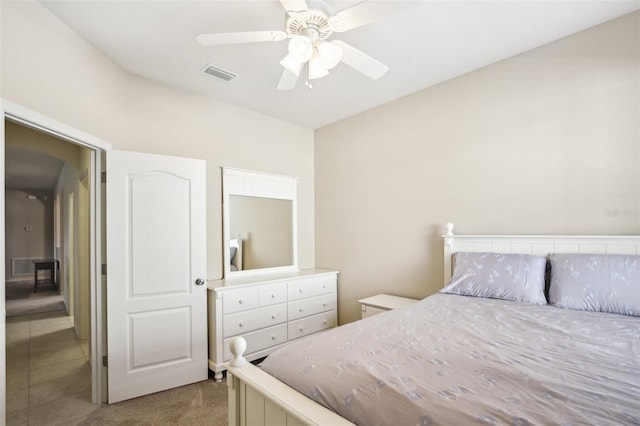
(306,72)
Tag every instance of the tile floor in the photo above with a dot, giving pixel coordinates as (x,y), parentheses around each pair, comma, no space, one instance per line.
(48,371)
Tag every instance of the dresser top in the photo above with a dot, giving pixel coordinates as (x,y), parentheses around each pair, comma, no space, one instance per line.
(219,285)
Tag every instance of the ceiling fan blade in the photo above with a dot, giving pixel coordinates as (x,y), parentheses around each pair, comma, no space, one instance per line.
(367,12)
(293,6)
(288,80)
(361,61)
(243,37)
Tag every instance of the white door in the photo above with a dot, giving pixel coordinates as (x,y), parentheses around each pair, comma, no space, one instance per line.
(156,269)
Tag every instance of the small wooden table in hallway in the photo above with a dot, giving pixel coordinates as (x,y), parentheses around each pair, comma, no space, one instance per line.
(42,265)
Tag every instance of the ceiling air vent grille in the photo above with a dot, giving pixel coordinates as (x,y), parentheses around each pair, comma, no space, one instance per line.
(218,73)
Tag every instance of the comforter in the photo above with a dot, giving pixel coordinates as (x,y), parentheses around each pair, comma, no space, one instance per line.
(456,360)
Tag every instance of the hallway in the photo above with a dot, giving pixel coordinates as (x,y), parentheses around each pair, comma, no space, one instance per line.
(48,371)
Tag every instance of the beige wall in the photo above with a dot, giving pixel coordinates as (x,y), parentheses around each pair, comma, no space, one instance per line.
(545,142)
(67,192)
(73,193)
(47,67)
(50,69)
(82,315)
(22,212)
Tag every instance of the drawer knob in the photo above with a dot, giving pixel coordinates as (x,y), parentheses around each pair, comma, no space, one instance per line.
(324,286)
(300,309)
(324,305)
(299,290)
(273,337)
(324,322)
(301,329)
(273,316)
(240,324)
(273,296)
(240,301)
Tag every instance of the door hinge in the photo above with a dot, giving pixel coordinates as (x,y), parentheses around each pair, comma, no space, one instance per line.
(104,269)
(105,361)
(103,177)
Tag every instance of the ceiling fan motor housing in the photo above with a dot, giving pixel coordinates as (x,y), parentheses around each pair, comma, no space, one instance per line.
(312,23)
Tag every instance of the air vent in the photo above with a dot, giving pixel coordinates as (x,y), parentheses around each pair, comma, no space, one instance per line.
(218,73)
(22,265)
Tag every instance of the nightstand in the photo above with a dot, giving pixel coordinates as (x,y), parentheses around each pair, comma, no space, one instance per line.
(383,302)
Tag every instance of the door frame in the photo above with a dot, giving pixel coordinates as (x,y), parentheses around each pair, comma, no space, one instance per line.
(98,147)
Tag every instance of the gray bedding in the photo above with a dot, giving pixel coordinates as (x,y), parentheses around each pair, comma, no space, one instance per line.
(458,360)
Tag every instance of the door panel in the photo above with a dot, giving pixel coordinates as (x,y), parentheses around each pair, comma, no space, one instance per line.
(151,348)
(151,194)
(156,250)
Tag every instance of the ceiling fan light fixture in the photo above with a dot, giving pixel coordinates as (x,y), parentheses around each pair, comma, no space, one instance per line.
(317,69)
(291,64)
(329,54)
(301,48)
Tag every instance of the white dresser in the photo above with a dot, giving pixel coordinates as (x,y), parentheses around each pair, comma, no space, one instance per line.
(268,311)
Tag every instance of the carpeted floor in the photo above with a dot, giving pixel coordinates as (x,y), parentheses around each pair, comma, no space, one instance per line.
(21,300)
(203,403)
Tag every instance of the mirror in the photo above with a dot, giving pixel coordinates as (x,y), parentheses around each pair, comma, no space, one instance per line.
(259,221)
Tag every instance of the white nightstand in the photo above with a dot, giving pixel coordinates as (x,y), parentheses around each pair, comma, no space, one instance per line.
(383,302)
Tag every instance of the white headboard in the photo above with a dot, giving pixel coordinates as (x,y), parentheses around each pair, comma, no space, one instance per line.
(541,245)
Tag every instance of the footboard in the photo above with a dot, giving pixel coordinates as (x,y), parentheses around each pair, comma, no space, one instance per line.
(258,399)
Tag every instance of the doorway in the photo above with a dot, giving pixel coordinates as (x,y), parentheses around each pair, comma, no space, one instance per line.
(93,155)
(48,325)
(47,205)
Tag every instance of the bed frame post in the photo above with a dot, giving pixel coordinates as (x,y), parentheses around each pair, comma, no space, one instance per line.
(234,387)
(448,251)
(237,348)
(233,396)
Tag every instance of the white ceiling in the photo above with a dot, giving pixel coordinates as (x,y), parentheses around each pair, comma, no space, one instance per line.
(422,47)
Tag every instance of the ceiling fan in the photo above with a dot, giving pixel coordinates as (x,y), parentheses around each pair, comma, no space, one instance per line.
(308,25)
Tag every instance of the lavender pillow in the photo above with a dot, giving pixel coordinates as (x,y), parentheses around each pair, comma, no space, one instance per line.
(596,282)
(518,277)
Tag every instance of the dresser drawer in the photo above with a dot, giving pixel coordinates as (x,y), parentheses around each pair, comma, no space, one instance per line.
(314,286)
(310,325)
(272,294)
(259,340)
(246,321)
(239,300)
(311,306)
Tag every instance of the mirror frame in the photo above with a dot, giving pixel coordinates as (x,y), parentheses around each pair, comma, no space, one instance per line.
(264,185)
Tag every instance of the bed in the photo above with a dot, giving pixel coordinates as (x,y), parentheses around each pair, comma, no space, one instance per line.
(477,352)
